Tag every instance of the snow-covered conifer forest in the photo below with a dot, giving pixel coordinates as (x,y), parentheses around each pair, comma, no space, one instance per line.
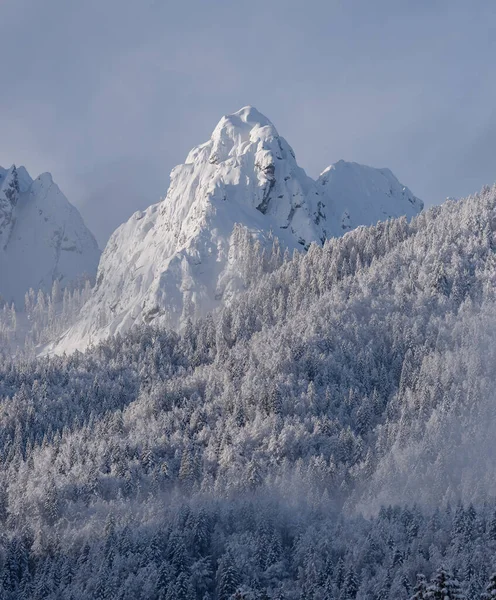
(328,434)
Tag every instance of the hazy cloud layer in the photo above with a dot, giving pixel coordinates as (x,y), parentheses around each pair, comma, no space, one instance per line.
(110,95)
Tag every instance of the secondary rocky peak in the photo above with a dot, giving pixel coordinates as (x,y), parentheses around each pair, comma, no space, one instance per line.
(42,236)
(361,195)
(9,184)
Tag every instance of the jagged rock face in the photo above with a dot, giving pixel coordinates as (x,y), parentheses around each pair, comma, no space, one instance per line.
(9,196)
(42,236)
(245,166)
(247,163)
(170,262)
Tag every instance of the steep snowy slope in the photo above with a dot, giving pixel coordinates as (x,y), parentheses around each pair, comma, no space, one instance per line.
(172,261)
(360,195)
(42,236)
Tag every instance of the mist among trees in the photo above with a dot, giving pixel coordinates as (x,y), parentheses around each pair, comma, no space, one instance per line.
(328,434)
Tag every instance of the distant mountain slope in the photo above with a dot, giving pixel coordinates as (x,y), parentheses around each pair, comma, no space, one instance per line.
(174,260)
(42,236)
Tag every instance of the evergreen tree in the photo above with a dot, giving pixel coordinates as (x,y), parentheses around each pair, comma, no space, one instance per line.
(420,589)
(490,593)
(227,578)
(443,587)
(350,585)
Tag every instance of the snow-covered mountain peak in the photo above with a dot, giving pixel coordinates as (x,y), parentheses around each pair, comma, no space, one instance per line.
(44,179)
(23,177)
(367,194)
(42,236)
(246,124)
(174,260)
(233,134)
(245,165)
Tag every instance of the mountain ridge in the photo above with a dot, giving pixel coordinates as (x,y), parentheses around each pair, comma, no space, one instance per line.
(171,261)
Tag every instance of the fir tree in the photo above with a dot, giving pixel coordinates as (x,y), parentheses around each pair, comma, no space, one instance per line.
(490,593)
(420,589)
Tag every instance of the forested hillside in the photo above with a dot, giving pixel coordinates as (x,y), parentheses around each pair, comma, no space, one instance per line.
(328,435)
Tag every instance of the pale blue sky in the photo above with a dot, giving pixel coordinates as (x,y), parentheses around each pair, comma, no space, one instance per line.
(109,95)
